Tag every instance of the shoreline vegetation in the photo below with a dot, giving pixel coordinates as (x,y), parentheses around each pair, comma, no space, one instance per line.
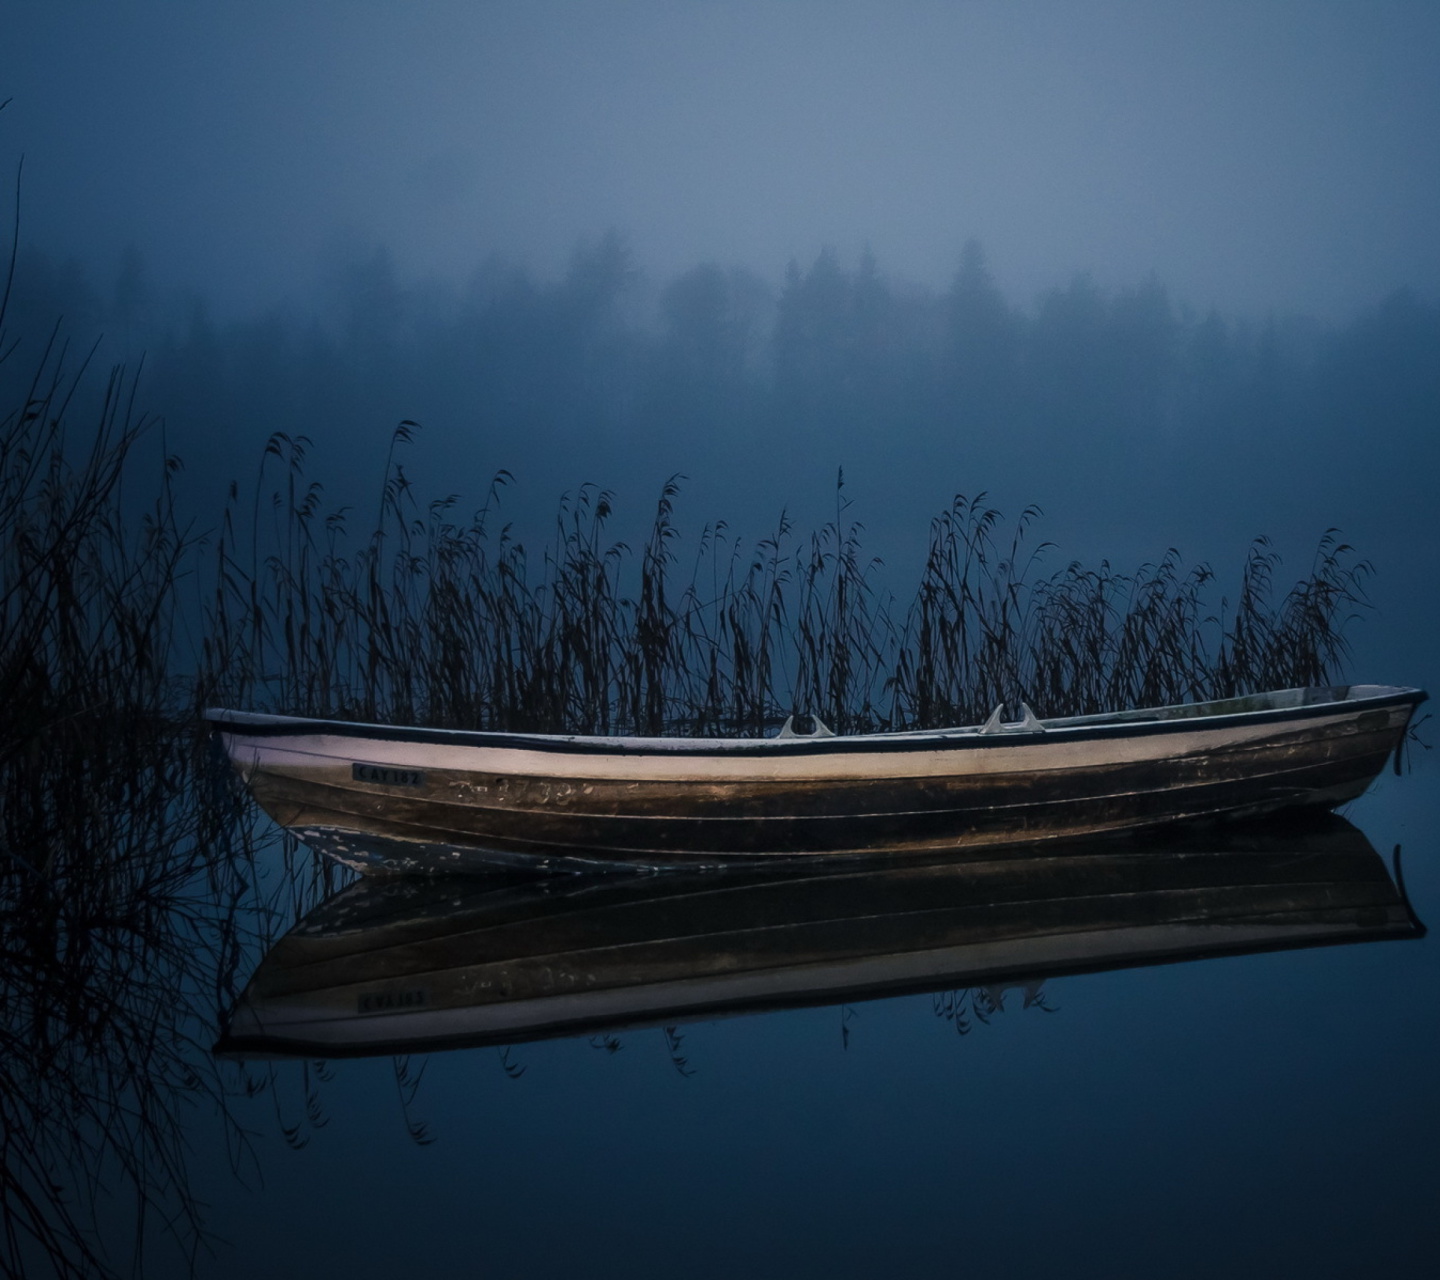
(429,618)
(122,619)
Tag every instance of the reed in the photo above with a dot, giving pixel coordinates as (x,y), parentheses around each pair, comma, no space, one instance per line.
(430,620)
(125,857)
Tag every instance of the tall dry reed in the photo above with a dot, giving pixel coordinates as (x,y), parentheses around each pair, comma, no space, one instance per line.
(130,892)
(429,619)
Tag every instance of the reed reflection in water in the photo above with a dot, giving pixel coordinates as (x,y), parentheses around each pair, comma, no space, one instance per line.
(130,903)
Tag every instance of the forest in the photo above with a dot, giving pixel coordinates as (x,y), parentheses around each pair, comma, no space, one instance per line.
(605,375)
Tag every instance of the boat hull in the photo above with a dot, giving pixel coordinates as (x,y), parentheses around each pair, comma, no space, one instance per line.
(387,799)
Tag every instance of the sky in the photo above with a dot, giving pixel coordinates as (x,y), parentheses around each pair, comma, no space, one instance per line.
(1255,157)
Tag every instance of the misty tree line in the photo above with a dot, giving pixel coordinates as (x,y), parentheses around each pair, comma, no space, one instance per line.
(603,361)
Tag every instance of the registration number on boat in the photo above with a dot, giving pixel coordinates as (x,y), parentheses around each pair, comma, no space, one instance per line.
(386,776)
(391,1001)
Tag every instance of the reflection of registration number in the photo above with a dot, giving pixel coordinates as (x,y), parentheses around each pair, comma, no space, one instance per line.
(389,1001)
(387,777)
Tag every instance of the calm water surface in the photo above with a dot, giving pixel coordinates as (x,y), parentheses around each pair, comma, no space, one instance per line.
(1260,1114)
(1269,1114)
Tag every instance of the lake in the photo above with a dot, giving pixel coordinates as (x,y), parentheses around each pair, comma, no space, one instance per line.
(1254,1114)
(1081,1090)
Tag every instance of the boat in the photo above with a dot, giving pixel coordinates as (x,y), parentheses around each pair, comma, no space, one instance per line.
(384,798)
(413,964)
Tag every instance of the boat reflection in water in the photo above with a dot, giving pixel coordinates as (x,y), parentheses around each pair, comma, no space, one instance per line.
(405,965)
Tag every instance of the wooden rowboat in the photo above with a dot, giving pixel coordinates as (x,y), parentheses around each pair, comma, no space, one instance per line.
(386,798)
(399,965)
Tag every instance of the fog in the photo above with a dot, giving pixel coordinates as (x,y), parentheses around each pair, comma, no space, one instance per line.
(1263,156)
(1168,271)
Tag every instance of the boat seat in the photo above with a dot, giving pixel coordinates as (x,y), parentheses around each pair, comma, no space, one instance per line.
(1028,722)
(820,730)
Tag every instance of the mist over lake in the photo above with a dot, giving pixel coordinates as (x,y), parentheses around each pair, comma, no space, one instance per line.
(655,368)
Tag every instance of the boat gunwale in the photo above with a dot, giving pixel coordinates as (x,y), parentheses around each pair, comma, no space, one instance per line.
(1142,722)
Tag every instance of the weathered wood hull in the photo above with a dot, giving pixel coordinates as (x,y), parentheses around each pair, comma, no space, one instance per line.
(397,965)
(380,798)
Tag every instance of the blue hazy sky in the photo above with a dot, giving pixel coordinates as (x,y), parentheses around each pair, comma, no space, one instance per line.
(1254,156)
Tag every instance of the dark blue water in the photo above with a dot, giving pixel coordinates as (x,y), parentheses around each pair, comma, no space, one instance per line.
(1270,1114)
